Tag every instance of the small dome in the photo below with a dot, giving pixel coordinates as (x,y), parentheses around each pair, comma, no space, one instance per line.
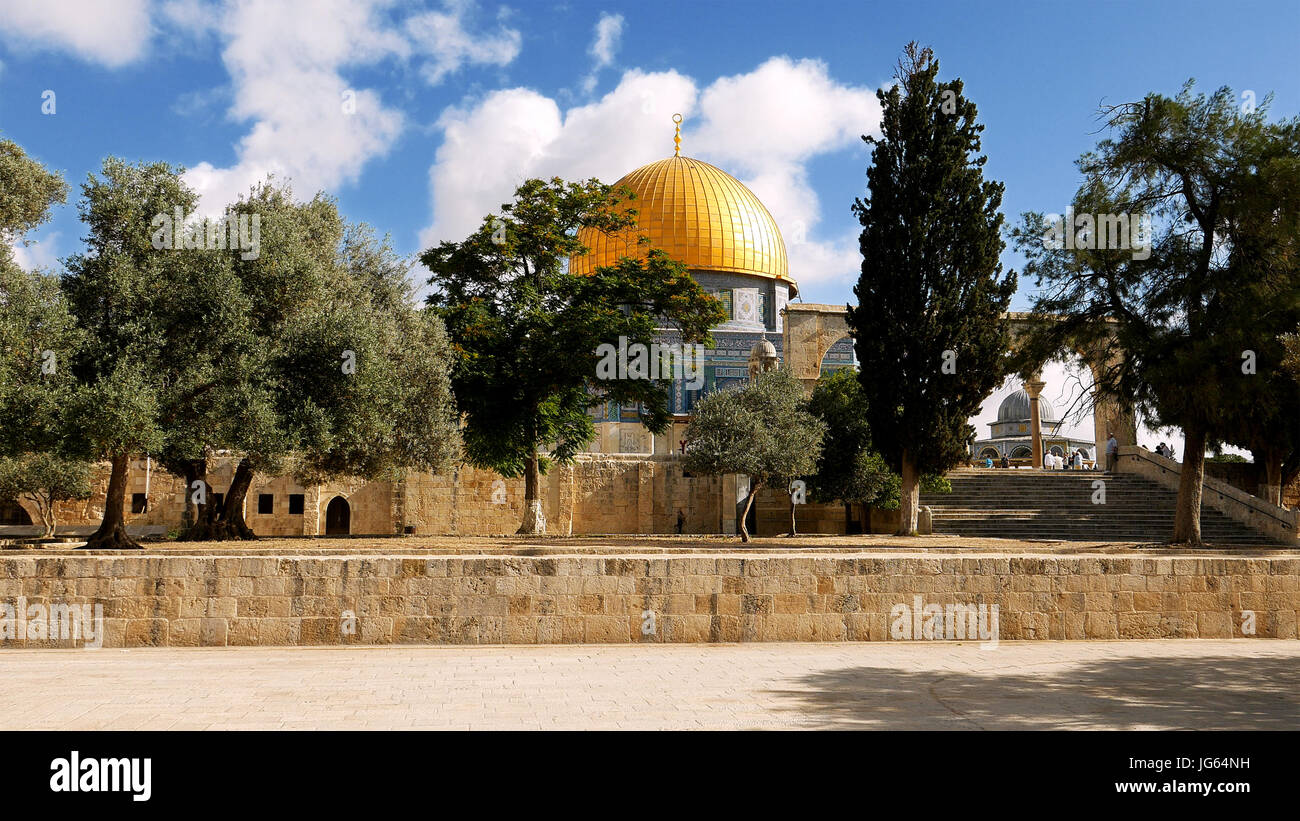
(762,358)
(1015,408)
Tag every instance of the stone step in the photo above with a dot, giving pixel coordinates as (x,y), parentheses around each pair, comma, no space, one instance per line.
(1048,504)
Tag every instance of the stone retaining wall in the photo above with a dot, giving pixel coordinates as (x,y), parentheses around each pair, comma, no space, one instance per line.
(725,597)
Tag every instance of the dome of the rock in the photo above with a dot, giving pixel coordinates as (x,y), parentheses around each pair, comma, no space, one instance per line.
(699,215)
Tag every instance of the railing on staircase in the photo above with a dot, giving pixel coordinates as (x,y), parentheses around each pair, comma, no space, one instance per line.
(1252,511)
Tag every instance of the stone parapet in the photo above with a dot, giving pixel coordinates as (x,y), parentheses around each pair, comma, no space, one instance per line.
(724,596)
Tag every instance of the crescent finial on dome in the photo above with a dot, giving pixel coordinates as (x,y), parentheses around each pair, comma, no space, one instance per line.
(677,138)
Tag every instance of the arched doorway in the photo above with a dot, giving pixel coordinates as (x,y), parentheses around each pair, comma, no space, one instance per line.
(338,517)
(12,513)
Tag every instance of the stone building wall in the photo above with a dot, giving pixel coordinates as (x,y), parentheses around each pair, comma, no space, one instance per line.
(595,494)
(773,515)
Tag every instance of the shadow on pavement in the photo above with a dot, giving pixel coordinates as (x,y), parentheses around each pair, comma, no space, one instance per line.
(1214,693)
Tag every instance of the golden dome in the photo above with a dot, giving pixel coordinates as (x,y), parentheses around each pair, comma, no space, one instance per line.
(699,215)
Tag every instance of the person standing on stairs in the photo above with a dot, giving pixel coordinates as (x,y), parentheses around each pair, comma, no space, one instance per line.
(1112,452)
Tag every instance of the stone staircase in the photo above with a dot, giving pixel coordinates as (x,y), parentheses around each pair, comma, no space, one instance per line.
(1057,504)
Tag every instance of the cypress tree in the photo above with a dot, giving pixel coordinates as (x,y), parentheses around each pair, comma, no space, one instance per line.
(928,325)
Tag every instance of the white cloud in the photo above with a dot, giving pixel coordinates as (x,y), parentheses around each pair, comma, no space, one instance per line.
(197,16)
(609,31)
(112,34)
(514,134)
(763,127)
(443,37)
(41,253)
(287,62)
(309,124)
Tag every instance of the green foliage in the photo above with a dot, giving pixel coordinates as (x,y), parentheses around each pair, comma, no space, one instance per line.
(525,331)
(120,412)
(1227,457)
(1222,188)
(935,483)
(38,335)
(150,345)
(931,289)
(60,479)
(365,379)
(1291,361)
(849,469)
(38,341)
(1219,186)
(27,193)
(763,430)
(44,479)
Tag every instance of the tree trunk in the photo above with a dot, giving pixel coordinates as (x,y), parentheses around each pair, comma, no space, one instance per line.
(195,469)
(534,523)
(47,517)
(1271,492)
(794,531)
(112,534)
(909,497)
(45,509)
(204,525)
(232,524)
(1187,518)
(744,516)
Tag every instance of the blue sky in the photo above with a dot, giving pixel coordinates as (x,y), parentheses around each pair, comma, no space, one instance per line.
(454,103)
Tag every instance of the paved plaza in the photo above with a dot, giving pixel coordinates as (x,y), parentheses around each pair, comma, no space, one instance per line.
(1189,684)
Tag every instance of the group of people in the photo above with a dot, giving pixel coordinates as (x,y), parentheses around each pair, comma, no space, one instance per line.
(1051,461)
(1055,461)
(1075,461)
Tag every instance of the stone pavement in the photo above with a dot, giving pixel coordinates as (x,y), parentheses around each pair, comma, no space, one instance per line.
(1188,684)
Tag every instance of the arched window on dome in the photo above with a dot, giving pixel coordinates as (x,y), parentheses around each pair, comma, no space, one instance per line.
(1022,452)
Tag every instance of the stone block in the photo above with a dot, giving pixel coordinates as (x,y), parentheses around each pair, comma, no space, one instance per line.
(317,630)
(145,633)
(241,632)
(213,632)
(756,604)
(1141,626)
(1101,626)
